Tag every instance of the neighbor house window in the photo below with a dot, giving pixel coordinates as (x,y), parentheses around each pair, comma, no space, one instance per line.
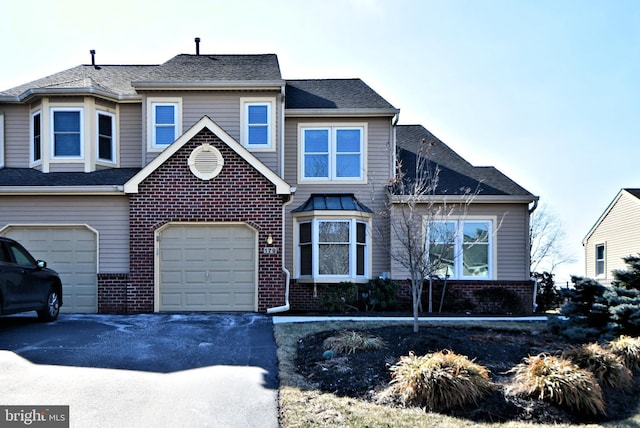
(600,259)
(460,249)
(106,137)
(165,122)
(333,249)
(257,131)
(67,141)
(332,153)
(36,136)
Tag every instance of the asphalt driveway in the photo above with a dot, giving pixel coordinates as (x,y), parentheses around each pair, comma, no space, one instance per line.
(150,370)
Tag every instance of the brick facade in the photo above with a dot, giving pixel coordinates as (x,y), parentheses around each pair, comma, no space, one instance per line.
(172,193)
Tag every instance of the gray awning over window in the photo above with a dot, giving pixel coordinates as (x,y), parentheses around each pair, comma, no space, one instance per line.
(332,202)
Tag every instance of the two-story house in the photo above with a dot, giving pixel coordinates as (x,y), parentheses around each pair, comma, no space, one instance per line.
(210,183)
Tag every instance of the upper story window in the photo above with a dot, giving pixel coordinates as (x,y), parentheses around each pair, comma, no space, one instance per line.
(257,117)
(165,122)
(36,136)
(106,137)
(1,140)
(66,133)
(600,259)
(332,153)
(461,249)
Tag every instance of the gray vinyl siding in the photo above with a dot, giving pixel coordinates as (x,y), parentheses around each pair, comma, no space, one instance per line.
(131,137)
(511,249)
(109,215)
(16,135)
(372,193)
(224,109)
(619,231)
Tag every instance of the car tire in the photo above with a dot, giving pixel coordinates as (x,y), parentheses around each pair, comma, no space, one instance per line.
(51,311)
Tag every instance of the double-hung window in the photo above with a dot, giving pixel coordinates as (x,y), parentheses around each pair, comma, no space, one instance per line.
(460,249)
(36,137)
(257,131)
(106,137)
(67,136)
(600,259)
(165,122)
(333,249)
(332,153)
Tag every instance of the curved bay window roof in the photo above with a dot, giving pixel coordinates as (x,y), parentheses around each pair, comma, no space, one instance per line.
(332,202)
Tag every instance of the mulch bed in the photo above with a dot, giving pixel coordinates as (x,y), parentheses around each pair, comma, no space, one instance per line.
(362,374)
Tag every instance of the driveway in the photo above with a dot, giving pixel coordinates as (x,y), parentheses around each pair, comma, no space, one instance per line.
(150,370)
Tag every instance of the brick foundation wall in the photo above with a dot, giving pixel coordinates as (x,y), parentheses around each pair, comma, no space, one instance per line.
(173,194)
(301,296)
(112,293)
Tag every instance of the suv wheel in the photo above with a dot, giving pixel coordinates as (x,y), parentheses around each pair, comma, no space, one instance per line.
(51,311)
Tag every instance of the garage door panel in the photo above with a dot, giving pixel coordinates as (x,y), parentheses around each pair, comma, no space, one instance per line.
(217,264)
(72,252)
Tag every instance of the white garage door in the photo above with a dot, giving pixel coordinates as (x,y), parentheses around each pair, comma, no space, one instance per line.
(207,268)
(70,251)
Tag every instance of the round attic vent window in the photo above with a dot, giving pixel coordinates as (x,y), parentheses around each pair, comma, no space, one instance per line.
(205,162)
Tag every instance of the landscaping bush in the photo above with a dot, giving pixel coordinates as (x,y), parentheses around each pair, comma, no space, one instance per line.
(439,381)
(607,367)
(547,296)
(554,379)
(498,300)
(628,349)
(340,297)
(378,295)
(348,342)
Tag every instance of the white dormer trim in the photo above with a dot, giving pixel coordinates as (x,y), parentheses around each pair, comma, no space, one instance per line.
(282,187)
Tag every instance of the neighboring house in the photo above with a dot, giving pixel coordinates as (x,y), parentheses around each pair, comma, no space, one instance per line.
(210,183)
(615,235)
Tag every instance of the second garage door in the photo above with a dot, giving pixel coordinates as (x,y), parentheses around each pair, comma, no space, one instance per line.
(205,267)
(72,252)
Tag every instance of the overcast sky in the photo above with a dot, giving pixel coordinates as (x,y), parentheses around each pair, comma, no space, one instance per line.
(546,91)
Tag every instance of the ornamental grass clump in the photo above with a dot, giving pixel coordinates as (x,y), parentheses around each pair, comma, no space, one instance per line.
(348,342)
(439,381)
(554,379)
(627,348)
(607,367)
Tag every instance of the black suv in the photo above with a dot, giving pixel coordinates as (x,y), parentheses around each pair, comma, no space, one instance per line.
(26,284)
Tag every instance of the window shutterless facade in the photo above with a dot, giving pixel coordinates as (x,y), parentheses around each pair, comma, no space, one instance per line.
(600,255)
(36,137)
(333,250)
(67,133)
(461,249)
(164,122)
(332,153)
(106,137)
(258,123)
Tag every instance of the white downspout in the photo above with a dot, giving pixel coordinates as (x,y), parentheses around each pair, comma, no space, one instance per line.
(535,294)
(287,274)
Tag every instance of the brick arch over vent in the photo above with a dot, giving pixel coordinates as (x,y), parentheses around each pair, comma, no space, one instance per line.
(171,193)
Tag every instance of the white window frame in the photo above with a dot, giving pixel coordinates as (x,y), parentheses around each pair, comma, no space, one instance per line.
(458,250)
(603,260)
(332,154)
(353,249)
(32,137)
(114,138)
(52,134)
(1,140)
(245,104)
(151,121)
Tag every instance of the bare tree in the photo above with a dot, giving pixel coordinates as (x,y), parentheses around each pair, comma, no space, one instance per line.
(423,224)
(546,240)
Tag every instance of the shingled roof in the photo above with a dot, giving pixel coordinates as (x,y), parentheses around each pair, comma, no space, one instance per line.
(455,173)
(29,177)
(333,94)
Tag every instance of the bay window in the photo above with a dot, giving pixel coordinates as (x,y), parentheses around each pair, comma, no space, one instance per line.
(106,137)
(66,133)
(332,153)
(36,137)
(461,249)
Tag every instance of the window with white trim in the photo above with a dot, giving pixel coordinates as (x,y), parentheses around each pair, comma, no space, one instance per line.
(67,133)
(106,137)
(333,249)
(36,136)
(461,249)
(257,124)
(332,153)
(1,140)
(165,122)
(600,254)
